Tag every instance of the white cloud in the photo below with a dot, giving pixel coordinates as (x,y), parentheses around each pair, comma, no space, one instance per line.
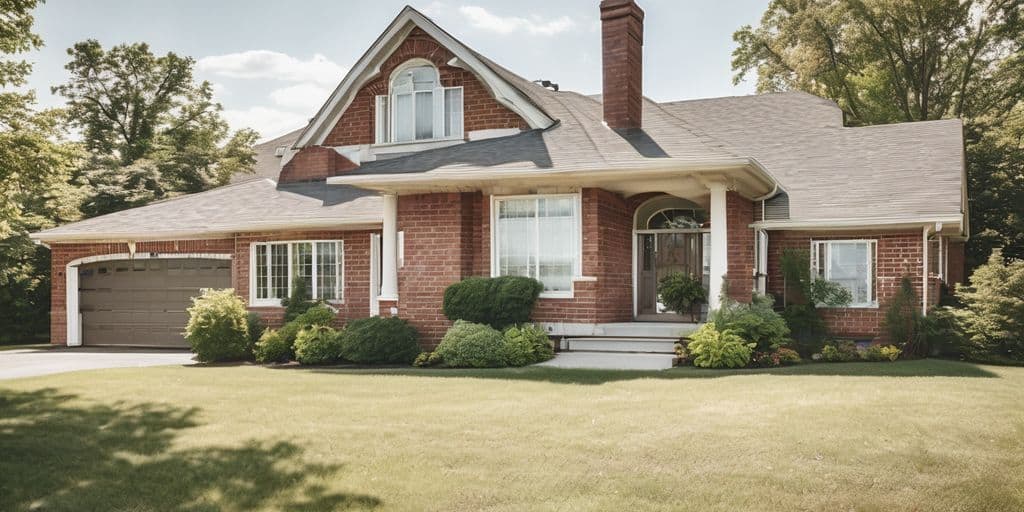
(268,122)
(306,97)
(273,65)
(483,19)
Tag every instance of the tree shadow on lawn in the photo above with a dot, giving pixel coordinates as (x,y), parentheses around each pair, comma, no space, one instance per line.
(59,455)
(919,368)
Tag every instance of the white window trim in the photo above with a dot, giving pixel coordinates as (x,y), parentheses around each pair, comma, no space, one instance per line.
(439,108)
(340,272)
(872,302)
(577,231)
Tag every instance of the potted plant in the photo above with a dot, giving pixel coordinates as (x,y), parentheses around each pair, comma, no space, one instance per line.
(681,292)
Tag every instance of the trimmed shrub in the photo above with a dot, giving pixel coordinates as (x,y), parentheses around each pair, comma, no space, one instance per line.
(711,348)
(779,357)
(318,344)
(272,348)
(378,340)
(319,314)
(680,292)
(494,301)
(255,326)
(881,353)
(756,322)
(473,346)
(527,344)
(803,296)
(840,352)
(426,359)
(217,327)
(298,302)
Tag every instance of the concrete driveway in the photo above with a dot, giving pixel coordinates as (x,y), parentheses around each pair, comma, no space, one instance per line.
(45,361)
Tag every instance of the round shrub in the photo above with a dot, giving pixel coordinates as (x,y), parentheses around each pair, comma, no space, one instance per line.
(217,327)
(318,344)
(756,322)
(711,348)
(272,348)
(881,353)
(255,325)
(426,359)
(840,352)
(319,314)
(378,340)
(527,344)
(497,301)
(473,345)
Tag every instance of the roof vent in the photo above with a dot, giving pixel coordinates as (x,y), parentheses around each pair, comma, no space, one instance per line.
(547,84)
(280,150)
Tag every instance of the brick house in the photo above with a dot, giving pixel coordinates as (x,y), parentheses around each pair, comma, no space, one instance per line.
(431,163)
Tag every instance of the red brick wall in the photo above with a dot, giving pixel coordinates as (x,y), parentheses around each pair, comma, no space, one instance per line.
(314,163)
(356,281)
(62,254)
(481,110)
(739,215)
(898,254)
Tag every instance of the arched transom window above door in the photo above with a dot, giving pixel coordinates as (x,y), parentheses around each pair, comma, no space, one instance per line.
(669,212)
(417,107)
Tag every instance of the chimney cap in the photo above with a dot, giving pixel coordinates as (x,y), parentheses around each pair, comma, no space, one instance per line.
(611,9)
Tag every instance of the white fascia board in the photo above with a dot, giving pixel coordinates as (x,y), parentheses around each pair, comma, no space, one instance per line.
(350,224)
(338,103)
(859,223)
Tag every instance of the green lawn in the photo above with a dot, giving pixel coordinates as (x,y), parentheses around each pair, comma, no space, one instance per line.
(925,435)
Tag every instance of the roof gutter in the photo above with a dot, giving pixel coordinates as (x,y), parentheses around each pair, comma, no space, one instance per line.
(221,232)
(867,223)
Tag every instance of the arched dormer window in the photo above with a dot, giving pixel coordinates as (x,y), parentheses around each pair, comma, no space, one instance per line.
(417,107)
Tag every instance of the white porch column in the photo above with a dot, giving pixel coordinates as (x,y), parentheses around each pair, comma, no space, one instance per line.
(389,250)
(719,245)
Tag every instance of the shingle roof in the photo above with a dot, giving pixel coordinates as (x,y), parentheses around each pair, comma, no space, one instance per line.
(252,205)
(268,164)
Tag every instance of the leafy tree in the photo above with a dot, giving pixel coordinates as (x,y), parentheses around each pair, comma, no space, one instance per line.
(993,313)
(886,61)
(34,194)
(150,130)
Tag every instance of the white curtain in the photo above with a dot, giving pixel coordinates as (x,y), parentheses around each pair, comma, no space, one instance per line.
(537,238)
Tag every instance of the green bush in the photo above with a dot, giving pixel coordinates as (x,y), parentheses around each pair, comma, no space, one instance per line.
(426,359)
(711,348)
(527,344)
(904,322)
(881,353)
(378,340)
(680,291)
(272,348)
(840,352)
(318,344)
(756,322)
(319,314)
(802,298)
(992,318)
(217,327)
(298,302)
(473,345)
(778,357)
(496,301)
(256,327)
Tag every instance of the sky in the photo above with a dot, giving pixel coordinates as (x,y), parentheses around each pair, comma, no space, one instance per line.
(273,63)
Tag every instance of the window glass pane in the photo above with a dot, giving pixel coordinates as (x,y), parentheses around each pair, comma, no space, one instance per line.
(423,78)
(557,247)
(327,270)
(261,272)
(517,236)
(403,117)
(848,266)
(424,115)
(302,266)
(453,112)
(279,271)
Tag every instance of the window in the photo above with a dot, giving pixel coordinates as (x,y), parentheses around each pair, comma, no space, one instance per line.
(538,237)
(418,108)
(278,266)
(850,263)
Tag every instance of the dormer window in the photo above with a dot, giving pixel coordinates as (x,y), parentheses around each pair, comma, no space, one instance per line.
(417,107)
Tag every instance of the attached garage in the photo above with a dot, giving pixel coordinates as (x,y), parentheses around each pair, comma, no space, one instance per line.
(141,302)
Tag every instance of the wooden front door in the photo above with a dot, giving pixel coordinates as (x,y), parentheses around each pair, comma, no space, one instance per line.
(661,254)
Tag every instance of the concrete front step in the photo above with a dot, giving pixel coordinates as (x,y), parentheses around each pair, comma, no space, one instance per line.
(636,345)
(610,361)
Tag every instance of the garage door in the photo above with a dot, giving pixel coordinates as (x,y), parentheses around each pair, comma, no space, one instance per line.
(142,302)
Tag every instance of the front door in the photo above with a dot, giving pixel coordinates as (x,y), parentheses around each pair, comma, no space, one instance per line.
(661,254)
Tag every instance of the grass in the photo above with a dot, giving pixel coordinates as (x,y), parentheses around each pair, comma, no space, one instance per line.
(922,435)
(24,346)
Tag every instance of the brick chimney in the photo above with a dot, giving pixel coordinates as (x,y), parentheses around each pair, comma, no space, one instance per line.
(622,41)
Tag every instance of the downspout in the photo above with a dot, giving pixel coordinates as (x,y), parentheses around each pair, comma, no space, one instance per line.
(924,270)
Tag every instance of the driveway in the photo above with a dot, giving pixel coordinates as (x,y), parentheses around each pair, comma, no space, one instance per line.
(45,361)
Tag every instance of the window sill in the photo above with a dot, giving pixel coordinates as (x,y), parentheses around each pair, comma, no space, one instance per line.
(410,145)
(556,295)
(872,305)
(276,303)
